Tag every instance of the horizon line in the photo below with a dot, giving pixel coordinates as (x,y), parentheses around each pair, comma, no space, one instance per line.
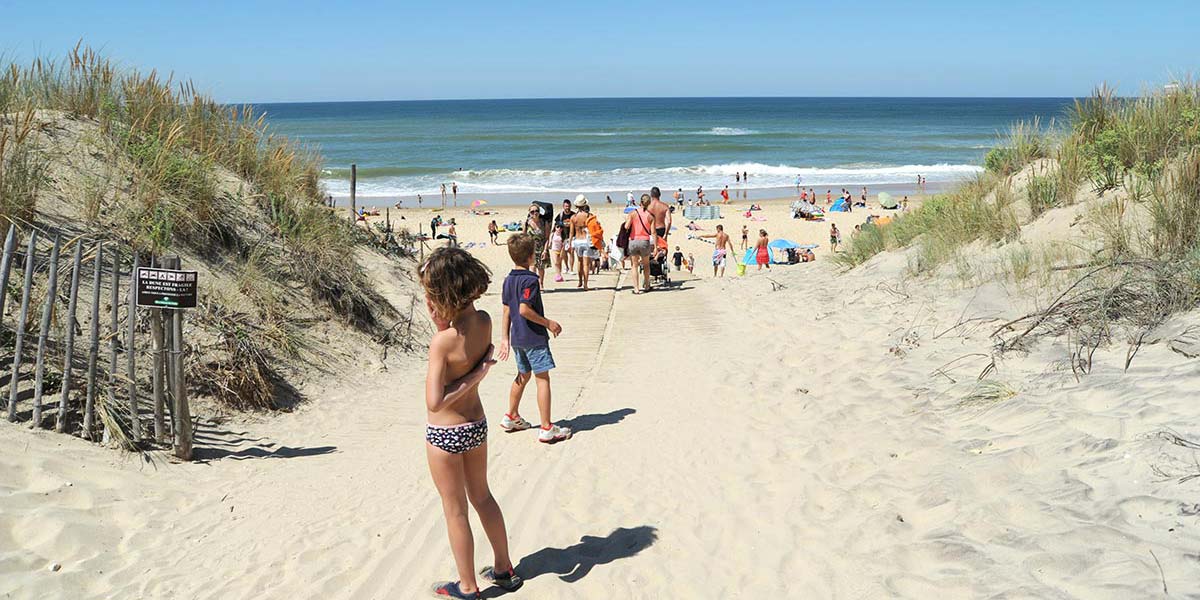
(514,98)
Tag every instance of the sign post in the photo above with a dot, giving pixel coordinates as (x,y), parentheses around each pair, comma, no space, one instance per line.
(172,289)
(166,288)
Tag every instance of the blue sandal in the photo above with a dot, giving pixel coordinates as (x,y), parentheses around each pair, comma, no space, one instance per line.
(508,582)
(450,589)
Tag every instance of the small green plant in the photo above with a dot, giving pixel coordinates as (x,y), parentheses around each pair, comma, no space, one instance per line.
(1042,194)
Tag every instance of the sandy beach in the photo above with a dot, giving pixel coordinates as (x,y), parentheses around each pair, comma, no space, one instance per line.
(775,217)
(802,433)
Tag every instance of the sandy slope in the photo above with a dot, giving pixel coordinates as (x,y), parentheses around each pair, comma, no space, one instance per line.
(800,433)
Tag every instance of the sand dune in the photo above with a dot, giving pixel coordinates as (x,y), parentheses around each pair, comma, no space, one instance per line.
(799,433)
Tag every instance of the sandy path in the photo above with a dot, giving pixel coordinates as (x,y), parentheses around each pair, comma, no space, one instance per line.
(782,433)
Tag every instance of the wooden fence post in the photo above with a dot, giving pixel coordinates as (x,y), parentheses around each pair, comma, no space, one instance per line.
(353,193)
(114,325)
(39,365)
(89,409)
(20,343)
(130,355)
(156,375)
(183,418)
(69,350)
(10,244)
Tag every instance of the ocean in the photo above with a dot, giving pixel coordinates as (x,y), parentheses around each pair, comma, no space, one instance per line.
(517,150)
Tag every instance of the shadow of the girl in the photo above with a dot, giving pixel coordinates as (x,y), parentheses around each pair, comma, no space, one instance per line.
(575,562)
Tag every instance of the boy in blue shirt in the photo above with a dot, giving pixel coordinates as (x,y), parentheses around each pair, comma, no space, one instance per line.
(526,331)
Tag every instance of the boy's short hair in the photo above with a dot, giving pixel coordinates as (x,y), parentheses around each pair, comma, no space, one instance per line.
(521,248)
(452,279)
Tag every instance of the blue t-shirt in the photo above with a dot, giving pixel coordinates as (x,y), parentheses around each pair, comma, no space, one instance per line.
(522,287)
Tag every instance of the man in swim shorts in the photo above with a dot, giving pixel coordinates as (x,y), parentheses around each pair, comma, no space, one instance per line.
(721,252)
(662,215)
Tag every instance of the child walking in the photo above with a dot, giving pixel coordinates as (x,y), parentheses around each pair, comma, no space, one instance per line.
(460,355)
(526,331)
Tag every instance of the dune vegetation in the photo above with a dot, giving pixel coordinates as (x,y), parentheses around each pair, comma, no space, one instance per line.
(154,164)
(1135,163)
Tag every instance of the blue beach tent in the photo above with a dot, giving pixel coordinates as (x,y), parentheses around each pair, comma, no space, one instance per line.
(839,206)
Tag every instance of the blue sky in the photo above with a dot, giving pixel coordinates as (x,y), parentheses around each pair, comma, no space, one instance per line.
(313,51)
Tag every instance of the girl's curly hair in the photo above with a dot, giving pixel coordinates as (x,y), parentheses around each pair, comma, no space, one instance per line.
(452,279)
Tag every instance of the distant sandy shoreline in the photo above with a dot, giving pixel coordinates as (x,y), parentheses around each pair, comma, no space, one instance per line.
(618,196)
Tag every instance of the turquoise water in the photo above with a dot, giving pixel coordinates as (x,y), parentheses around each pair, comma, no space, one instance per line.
(522,148)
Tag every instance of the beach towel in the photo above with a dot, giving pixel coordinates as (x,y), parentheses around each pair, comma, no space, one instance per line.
(595,231)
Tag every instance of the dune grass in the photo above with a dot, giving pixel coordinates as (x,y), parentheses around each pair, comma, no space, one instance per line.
(182,173)
(1150,141)
(178,140)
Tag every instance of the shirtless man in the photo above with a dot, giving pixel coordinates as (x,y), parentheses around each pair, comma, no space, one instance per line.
(720,255)
(581,240)
(662,216)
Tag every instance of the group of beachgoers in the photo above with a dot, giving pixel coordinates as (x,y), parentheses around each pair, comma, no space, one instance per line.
(461,353)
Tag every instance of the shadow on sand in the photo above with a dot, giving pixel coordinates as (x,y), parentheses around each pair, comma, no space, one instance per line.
(580,423)
(574,562)
(214,442)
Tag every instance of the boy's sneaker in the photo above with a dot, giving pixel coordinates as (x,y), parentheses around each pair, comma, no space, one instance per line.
(508,582)
(510,424)
(554,434)
(451,589)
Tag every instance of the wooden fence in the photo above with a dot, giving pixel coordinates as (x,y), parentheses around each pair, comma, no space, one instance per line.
(110,404)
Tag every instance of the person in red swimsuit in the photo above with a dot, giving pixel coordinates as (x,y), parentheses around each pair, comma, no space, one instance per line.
(763,252)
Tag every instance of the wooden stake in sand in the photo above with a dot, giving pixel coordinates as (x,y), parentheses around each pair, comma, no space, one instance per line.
(131,357)
(39,368)
(69,350)
(115,301)
(156,375)
(183,417)
(89,409)
(20,327)
(10,244)
(353,190)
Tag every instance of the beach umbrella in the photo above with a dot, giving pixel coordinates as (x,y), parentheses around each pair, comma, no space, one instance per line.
(478,203)
(886,200)
(782,244)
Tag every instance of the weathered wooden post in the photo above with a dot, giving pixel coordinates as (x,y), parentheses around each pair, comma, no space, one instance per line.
(387,219)
(113,340)
(20,343)
(353,193)
(131,357)
(69,349)
(183,416)
(89,409)
(39,365)
(156,375)
(10,244)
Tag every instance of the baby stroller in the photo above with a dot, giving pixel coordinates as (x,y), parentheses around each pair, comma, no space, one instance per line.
(659,271)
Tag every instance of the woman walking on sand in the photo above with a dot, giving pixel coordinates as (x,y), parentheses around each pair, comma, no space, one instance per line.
(762,253)
(539,228)
(640,224)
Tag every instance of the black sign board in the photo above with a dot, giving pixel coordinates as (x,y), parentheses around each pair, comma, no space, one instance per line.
(166,288)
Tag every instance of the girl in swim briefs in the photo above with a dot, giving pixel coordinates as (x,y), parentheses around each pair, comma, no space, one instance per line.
(460,355)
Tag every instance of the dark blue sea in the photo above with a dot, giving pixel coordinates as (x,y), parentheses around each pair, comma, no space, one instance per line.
(515,148)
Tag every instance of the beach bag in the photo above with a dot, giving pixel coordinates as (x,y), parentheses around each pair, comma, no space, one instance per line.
(596,231)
